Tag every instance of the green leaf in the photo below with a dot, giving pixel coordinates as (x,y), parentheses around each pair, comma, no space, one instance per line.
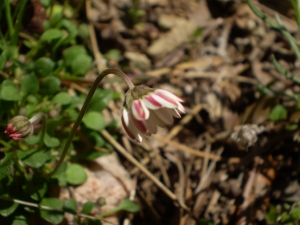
(51,34)
(100,100)
(43,66)
(126,205)
(34,158)
(75,174)
(7,207)
(29,84)
(9,92)
(5,164)
(70,206)
(50,85)
(62,98)
(55,217)
(60,175)
(295,213)
(83,31)
(94,121)
(81,64)
(70,54)
(51,142)
(36,189)
(32,140)
(88,207)
(20,220)
(279,112)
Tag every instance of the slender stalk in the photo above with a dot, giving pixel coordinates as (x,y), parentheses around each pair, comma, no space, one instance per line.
(9,18)
(84,109)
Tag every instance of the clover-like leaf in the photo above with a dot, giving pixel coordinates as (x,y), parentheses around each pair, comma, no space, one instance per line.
(52,216)
(94,121)
(75,174)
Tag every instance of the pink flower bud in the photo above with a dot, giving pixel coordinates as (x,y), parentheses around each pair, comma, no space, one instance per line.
(19,128)
(145,108)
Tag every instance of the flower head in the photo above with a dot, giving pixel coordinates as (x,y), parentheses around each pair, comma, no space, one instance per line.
(145,108)
(19,128)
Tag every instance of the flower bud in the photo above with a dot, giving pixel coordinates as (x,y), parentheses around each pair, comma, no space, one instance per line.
(19,128)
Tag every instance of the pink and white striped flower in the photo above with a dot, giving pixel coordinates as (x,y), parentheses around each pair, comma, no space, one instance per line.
(146,108)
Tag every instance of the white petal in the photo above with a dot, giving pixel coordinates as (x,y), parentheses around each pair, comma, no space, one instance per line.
(131,130)
(151,123)
(139,110)
(164,115)
(126,117)
(181,108)
(164,102)
(175,113)
(169,94)
(157,120)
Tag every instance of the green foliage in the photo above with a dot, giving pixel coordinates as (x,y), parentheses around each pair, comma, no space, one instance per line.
(37,76)
(279,112)
(75,174)
(52,216)
(285,214)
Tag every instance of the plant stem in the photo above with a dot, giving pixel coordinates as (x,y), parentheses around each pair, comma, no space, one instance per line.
(9,19)
(84,109)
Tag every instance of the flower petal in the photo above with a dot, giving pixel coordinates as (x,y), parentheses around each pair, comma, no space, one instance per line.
(151,102)
(139,110)
(164,103)
(168,95)
(129,128)
(156,119)
(140,125)
(164,115)
(175,113)
(181,108)
(151,123)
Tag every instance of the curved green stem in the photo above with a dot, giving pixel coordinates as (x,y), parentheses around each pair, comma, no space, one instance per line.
(84,109)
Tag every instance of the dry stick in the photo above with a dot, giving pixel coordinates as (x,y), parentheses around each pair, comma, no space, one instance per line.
(130,158)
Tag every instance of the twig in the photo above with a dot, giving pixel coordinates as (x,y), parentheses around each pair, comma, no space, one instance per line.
(130,158)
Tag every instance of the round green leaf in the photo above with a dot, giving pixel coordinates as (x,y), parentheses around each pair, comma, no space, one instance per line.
(50,85)
(51,34)
(7,208)
(62,98)
(70,53)
(20,220)
(52,216)
(88,207)
(70,205)
(9,92)
(75,174)
(80,64)
(279,112)
(34,158)
(94,121)
(29,84)
(43,66)
(51,142)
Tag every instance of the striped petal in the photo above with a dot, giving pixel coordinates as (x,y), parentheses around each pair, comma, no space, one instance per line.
(139,110)
(168,95)
(152,102)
